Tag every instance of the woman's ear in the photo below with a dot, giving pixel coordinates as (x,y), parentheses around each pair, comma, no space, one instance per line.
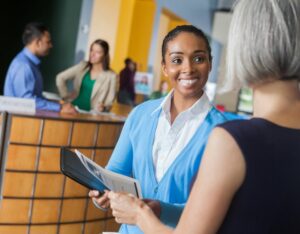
(164,69)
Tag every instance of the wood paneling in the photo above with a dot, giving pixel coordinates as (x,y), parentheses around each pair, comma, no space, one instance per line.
(25,130)
(49,185)
(45,211)
(49,159)
(43,229)
(9,229)
(14,211)
(94,227)
(56,132)
(73,189)
(73,210)
(102,157)
(93,212)
(71,229)
(21,157)
(108,134)
(84,134)
(18,184)
(36,196)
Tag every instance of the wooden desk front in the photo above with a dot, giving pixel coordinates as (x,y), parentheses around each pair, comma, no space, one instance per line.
(36,197)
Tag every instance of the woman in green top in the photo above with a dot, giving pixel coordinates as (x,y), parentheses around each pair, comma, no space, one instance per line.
(94,83)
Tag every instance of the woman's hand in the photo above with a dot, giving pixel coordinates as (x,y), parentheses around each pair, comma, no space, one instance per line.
(128,209)
(100,107)
(100,200)
(68,108)
(125,207)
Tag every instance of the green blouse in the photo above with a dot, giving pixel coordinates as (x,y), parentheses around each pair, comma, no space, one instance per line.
(83,100)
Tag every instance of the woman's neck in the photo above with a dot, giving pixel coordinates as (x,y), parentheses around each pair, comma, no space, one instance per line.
(98,67)
(180,104)
(95,70)
(278,101)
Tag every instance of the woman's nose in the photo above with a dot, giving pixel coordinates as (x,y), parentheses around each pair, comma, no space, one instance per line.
(188,67)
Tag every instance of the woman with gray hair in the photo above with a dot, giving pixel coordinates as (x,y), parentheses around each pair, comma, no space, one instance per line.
(248,181)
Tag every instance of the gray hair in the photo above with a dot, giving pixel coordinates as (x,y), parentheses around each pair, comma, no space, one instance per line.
(263,42)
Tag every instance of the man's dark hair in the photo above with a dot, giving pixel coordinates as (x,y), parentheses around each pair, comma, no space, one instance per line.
(33,31)
(184,28)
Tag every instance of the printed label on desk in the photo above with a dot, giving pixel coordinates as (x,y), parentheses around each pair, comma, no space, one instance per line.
(17,105)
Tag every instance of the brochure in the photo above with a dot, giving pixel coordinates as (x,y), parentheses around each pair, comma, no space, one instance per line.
(83,170)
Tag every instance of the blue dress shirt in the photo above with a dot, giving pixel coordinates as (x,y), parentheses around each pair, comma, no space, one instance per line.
(24,79)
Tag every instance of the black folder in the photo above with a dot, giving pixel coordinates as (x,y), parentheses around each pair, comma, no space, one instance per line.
(72,167)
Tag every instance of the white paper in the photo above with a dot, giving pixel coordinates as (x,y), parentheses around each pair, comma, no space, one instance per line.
(113,181)
(17,105)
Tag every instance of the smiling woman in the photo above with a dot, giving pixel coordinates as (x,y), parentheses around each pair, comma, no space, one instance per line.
(163,140)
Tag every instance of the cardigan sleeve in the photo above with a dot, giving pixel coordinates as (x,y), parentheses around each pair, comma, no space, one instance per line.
(170,213)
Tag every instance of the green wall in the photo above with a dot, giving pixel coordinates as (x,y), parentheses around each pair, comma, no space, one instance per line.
(61,16)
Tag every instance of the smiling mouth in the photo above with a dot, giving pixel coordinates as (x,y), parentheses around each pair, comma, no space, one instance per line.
(187,82)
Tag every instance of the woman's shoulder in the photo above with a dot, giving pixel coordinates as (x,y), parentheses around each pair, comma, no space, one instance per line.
(109,73)
(147,108)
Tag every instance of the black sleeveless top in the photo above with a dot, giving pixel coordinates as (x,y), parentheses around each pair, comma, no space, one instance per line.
(269,199)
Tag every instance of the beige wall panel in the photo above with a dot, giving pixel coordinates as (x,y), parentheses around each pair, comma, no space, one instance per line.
(21,157)
(56,132)
(45,211)
(49,159)
(25,130)
(73,210)
(83,134)
(49,185)
(18,184)
(162,31)
(108,134)
(8,212)
(104,23)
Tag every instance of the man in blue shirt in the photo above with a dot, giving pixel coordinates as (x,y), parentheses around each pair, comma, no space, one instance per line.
(23,78)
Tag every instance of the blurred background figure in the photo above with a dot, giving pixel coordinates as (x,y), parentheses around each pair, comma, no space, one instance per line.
(94,83)
(126,93)
(163,90)
(24,78)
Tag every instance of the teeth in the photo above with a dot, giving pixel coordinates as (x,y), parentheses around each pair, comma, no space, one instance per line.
(187,83)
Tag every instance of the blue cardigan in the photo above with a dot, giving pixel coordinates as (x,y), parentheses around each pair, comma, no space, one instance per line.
(132,156)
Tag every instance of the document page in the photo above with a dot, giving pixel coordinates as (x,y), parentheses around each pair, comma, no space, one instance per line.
(114,181)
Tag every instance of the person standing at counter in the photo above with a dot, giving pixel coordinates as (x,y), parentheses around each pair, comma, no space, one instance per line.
(24,78)
(162,142)
(94,83)
(126,93)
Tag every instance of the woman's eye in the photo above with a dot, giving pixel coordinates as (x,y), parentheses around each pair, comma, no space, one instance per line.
(176,60)
(199,59)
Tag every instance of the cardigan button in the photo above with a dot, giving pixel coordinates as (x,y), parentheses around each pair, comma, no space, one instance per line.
(155,190)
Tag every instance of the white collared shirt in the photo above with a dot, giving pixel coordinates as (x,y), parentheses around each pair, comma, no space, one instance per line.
(169,139)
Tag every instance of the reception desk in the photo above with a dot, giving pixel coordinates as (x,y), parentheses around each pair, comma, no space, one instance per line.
(35,197)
